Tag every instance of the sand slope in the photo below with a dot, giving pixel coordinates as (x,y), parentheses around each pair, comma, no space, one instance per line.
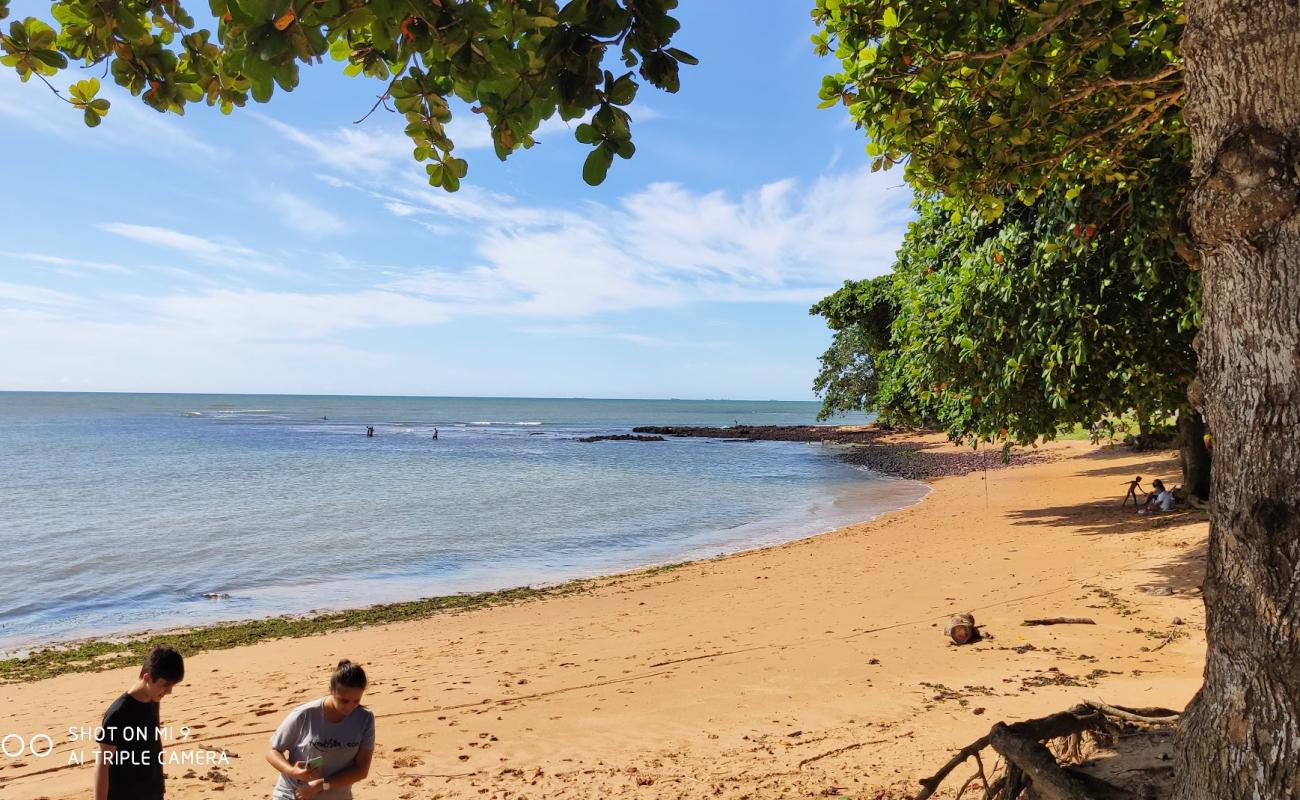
(812,669)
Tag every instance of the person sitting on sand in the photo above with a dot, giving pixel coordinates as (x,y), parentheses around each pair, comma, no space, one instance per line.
(1162,497)
(1134,486)
(325,746)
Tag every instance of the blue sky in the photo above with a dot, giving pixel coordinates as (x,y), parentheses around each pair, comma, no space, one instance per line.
(284,249)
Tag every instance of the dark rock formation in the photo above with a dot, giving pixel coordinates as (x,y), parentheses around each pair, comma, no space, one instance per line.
(915,460)
(621,437)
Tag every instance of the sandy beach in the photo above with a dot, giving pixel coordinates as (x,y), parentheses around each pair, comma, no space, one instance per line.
(817,668)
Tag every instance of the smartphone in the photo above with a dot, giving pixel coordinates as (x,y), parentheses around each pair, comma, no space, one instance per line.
(314,763)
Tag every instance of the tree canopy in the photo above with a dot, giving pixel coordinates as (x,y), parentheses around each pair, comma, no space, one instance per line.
(1063,312)
(1045,282)
(988,98)
(861,313)
(517,63)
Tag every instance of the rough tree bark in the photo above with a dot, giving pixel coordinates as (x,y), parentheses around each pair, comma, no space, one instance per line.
(1192,453)
(1241,734)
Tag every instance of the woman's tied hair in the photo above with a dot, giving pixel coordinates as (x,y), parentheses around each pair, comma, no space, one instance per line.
(348,674)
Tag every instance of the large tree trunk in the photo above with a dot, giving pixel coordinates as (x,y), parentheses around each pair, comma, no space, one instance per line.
(1193,455)
(1241,736)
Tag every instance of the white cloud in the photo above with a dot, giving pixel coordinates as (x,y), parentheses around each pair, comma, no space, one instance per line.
(306,216)
(196,247)
(594,331)
(130,125)
(666,246)
(60,261)
(399,209)
(230,315)
(663,247)
(353,150)
(38,296)
(378,144)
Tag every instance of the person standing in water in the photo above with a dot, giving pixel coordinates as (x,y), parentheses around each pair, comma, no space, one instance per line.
(435,434)
(325,746)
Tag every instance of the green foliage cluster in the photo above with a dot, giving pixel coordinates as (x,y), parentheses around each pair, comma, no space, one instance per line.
(1009,330)
(989,98)
(517,62)
(1066,312)
(861,314)
(1045,283)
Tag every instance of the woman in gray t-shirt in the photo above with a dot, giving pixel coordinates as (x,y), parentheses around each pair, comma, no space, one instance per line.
(325,746)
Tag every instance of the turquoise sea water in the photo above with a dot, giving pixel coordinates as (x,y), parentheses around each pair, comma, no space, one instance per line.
(120,511)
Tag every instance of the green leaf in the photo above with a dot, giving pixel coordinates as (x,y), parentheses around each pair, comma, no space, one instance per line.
(260,10)
(90,117)
(682,56)
(129,25)
(50,58)
(574,12)
(84,90)
(596,166)
(586,134)
(889,19)
(623,91)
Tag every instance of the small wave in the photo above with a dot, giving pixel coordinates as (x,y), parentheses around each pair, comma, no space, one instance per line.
(246,411)
(528,423)
(190,414)
(481,423)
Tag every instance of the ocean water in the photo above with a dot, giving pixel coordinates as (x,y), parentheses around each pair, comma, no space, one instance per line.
(120,511)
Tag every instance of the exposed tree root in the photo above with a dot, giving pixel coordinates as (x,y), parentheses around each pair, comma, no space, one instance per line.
(1029,762)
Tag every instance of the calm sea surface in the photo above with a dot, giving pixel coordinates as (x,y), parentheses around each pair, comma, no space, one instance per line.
(118,512)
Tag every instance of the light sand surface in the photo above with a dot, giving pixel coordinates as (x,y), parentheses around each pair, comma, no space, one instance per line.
(817,668)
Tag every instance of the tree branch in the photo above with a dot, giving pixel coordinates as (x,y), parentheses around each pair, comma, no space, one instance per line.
(1110,83)
(1061,16)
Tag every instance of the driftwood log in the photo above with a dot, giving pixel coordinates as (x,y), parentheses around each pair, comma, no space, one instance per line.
(1060,621)
(960,628)
(1029,761)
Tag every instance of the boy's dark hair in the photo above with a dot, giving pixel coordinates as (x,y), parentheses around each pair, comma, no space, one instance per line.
(348,674)
(164,663)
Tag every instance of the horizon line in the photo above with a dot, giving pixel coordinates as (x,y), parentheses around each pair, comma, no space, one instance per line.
(411,396)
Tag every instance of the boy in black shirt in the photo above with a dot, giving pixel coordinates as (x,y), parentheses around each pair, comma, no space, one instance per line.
(129,764)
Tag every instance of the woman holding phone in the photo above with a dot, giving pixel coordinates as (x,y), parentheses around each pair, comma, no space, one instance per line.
(324,746)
